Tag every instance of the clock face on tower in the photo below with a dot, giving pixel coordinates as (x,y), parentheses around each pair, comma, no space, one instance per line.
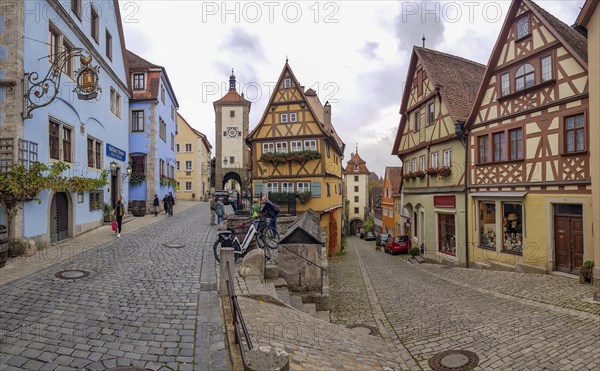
(232,132)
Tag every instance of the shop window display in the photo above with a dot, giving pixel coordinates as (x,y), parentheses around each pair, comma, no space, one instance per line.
(446,234)
(487,224)
(512,220)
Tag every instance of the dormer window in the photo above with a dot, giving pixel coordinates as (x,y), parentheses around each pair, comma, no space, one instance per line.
(287,83)
(522,27)
(355,167)
(525,77)
(139,81)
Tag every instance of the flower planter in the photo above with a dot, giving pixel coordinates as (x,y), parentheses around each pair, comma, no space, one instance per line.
(586,275)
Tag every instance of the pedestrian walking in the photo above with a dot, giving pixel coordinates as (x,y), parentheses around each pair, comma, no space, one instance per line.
(212,211)
(156,204)
(171,203)
(119,213)
(166,202)
(219,210)
(272,210)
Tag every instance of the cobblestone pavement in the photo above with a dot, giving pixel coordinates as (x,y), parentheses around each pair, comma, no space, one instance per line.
(143,304)
(511,321)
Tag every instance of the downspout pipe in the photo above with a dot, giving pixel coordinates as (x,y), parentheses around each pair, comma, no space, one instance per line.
(462,135)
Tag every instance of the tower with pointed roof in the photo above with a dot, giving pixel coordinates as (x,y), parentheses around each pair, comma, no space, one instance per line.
(296,150)
(232,117)
(356,179)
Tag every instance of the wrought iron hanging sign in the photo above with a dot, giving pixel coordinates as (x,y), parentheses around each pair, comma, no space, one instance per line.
(40,93)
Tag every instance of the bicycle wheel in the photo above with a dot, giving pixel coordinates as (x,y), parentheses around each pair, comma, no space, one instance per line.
(217,250)
(260,242)
(271,237)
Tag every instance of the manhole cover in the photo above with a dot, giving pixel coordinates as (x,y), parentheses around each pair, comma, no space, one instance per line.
(72,274)
(363,329)
(173,245)
(455,360)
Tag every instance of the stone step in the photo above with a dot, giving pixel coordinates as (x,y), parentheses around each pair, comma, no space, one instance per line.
(277,282)
(323,315)
(309,308)
(271,271)
(283,294)
(270,289)
(296,302)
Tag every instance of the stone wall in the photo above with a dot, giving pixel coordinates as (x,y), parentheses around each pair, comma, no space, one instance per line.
(299,275)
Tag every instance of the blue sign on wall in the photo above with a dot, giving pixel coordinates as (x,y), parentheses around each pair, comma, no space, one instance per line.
(114,152)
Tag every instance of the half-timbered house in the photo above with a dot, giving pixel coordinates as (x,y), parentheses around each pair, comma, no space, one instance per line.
(440,90)
(529,173)
(296,150)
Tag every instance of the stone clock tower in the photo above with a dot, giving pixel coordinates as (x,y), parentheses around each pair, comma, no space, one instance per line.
(232,116)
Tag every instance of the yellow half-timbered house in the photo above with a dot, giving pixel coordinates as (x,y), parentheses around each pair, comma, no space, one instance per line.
(295,149)
(439,92)
(530,202)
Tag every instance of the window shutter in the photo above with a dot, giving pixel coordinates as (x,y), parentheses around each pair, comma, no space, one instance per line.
(315,189)
(258,186)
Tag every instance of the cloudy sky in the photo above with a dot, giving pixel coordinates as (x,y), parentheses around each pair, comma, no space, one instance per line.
(353,53)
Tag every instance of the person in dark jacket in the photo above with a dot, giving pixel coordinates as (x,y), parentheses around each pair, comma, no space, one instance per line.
(167,204)
(119,212)
(171,203)
(156,204)
(271,210)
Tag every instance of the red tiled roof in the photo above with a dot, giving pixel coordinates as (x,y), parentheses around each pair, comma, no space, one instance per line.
(394,174)
(459,79)
(576,40)
(232,97)
(356,160)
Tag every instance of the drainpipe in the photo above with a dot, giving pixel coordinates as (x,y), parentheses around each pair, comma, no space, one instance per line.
(462,135)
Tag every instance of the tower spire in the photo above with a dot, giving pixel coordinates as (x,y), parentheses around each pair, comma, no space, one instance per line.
(423,40)
(232,81)
(356,147)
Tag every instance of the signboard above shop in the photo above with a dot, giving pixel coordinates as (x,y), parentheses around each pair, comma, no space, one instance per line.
(114,152)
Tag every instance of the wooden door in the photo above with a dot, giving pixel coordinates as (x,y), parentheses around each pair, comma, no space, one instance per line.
(568,243)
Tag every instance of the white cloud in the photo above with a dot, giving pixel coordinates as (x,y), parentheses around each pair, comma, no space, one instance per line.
(355,53)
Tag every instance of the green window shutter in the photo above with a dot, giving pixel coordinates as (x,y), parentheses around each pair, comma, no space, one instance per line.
(258,187)
(315,189)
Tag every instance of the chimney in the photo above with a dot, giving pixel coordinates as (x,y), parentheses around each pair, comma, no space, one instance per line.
(327,114)
(302,88)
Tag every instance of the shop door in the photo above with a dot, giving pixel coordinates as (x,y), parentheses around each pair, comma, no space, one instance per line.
(568,239)
(59,217)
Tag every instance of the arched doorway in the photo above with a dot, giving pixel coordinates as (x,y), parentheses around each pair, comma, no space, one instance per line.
(59,217)
(355,226)
(232,182)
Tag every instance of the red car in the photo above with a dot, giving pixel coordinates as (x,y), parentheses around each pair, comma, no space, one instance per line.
(397,244)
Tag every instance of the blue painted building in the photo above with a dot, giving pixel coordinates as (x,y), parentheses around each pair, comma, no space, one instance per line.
(152,132)
(86,134)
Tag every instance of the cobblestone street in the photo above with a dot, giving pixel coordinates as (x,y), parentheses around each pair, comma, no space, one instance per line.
(143,304)
(511,321)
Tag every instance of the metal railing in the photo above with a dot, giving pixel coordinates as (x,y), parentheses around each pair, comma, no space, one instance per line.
(310,262)
(238,319)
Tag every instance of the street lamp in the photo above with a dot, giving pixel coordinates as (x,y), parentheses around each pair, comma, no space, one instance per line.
(46,89)
(113,168)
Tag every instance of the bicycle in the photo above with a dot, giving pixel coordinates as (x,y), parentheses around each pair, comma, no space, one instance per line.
(270,234)
(228,238)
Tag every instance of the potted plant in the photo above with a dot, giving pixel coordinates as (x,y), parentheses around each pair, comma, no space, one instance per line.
(586,272)
(107,212)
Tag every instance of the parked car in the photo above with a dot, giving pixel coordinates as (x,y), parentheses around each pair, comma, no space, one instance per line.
(397,244)
(382,239)
(370,236)
(223,195)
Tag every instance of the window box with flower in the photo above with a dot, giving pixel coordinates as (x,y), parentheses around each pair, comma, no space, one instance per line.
(167,182)
(301,156)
